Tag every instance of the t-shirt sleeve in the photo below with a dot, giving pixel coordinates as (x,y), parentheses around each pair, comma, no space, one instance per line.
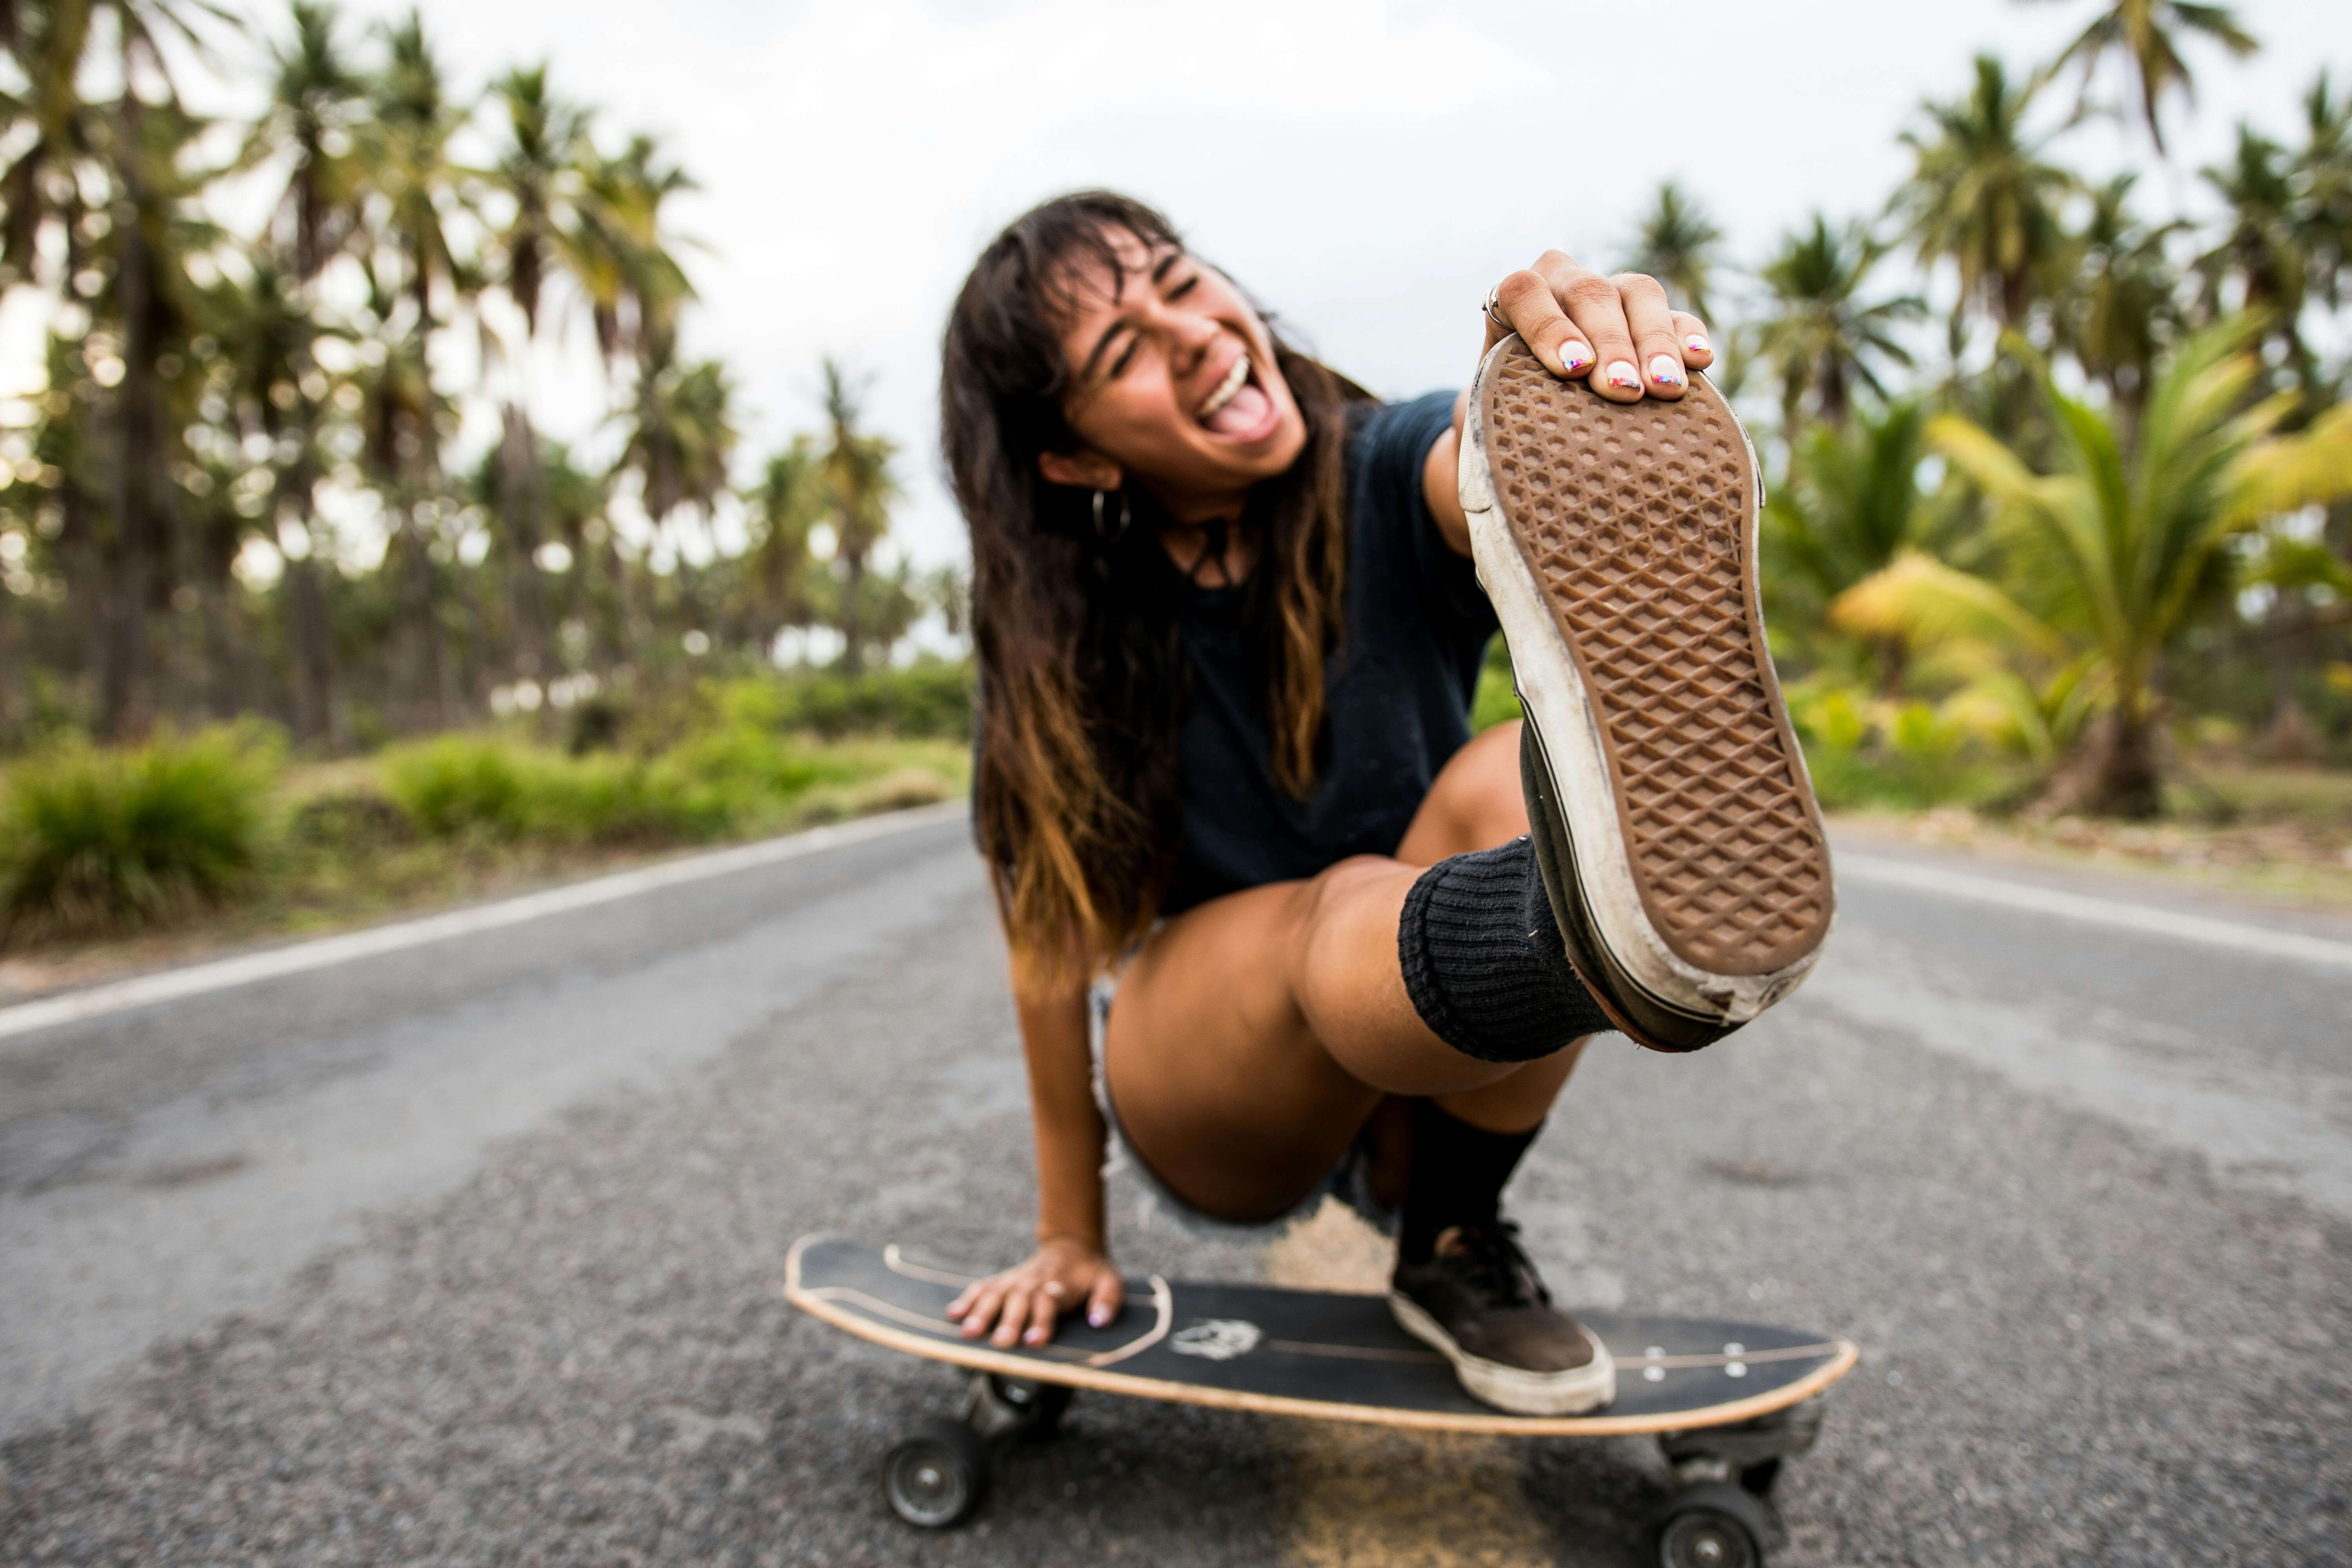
(1391,450)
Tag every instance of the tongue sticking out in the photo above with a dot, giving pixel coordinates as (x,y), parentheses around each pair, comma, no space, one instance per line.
(1244,411)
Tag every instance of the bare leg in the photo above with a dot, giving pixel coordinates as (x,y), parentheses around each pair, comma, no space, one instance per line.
(1253,1035)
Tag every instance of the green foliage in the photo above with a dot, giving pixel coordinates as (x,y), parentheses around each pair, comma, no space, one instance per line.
(2111,557)
(1907,754)
(930,699)
(1496,700)
(742,774)
(1982,196)
(1820,337)
(1852,501)
(459,785)
(92,840)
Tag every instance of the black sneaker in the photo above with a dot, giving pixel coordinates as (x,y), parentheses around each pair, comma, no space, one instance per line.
(1480,1302)
(1671,811)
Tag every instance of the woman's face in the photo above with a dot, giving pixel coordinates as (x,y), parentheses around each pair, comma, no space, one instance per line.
(1173,383)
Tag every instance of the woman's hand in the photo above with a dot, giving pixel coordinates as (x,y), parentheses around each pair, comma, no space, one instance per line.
(1617,330)
(1021,1303)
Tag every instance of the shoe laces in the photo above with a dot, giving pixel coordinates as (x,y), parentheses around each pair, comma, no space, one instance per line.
(1489,1254)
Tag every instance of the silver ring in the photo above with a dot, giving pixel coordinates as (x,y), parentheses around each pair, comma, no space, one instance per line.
(1054,1288)
(1494,308)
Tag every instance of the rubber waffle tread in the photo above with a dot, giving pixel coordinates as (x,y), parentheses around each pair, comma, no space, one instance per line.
(1634,520)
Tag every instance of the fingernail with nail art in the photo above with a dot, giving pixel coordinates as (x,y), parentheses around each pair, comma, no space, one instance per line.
(1574,356)
(1621,374)
(1697,345)
(1666,371)
(1097,1317)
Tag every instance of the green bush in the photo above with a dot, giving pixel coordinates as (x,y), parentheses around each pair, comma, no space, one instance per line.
(458,784)
(927,701)
(1863,752)
(93,839)
(736,779)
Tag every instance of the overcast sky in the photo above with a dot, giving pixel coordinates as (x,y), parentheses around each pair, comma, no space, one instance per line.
(1367,170)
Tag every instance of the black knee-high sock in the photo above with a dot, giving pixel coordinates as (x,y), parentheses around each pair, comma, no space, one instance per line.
(1484,961)
(1456,1177)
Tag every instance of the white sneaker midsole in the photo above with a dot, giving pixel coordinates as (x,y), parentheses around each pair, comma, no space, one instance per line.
(1515,1388)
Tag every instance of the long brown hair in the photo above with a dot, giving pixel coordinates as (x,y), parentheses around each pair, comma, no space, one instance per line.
(1082,675)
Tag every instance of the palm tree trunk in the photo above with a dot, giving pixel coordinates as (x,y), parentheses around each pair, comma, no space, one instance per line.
(2124,778)
(310,626)
(316,718)
(518,498)
(424,698)
(1834,400)
(130,561)
(853,644)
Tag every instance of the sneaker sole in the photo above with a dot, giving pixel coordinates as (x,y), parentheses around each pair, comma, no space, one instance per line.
(1515,1388)
(1668,798)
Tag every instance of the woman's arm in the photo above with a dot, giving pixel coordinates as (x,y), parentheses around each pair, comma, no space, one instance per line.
(1618,332)
(1071,1263)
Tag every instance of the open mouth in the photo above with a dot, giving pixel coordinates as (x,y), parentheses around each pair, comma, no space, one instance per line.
(1239,408)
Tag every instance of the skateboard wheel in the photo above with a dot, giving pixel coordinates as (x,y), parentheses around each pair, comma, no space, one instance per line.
(1039,1404)
(935,1478)
(1712,1525)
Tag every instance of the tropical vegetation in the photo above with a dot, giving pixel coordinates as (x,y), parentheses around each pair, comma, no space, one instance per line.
(293,578)
(247,488)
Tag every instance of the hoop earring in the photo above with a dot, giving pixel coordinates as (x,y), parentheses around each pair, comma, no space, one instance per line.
(1126,518)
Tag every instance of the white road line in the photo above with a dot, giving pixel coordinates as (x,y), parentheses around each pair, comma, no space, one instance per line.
(2265,941)
(221,975)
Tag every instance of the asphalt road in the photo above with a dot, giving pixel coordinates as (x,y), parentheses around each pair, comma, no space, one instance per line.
(467,1250)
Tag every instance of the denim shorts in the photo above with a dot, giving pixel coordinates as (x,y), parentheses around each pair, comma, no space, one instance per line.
(1349,1181)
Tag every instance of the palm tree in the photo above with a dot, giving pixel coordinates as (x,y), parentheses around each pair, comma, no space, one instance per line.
(2121,308)
(1819,336)
(2113,555)
(316,101)
(538,172)
(2144,35)
(780,511)
(2323,171)
(682,438)
(2262,249)
(1676,246)
(415,177)
(629,262)
(417,191)
(856,468)
(1850,504)
(125,158)
(1981,196)
(268,330)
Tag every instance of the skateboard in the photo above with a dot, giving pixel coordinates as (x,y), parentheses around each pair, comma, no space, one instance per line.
(1728,1401)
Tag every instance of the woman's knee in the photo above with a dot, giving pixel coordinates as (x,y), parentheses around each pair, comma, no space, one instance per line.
(1344,918)
(1475,803)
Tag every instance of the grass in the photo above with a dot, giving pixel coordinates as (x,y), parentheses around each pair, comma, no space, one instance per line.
(93,840)
(215,835)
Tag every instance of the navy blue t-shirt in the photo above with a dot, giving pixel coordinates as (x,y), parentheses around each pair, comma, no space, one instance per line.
(1398,692)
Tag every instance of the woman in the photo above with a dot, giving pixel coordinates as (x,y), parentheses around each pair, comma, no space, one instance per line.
(1228,625)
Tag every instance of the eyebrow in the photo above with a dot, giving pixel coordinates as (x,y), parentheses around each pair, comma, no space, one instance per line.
(1102,343)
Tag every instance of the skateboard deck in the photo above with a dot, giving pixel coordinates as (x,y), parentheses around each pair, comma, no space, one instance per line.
(1313,1353)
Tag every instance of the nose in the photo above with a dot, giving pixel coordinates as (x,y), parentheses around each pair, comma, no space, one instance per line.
(1189,335)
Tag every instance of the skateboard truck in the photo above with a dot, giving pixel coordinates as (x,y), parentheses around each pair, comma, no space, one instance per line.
(937,1475)
(1715,1517)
